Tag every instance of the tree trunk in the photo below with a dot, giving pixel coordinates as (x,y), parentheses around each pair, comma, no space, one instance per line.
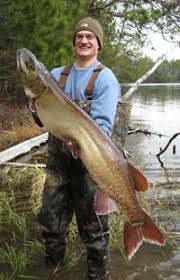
(124,108)
(128,94)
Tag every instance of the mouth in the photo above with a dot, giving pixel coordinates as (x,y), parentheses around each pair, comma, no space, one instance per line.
(84,47)
(24,61)
(21,61)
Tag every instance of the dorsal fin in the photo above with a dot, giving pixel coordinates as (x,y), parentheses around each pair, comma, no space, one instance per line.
(140,181)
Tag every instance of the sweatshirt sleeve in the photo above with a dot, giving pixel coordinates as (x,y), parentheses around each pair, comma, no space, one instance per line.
(106,95)
(56,72)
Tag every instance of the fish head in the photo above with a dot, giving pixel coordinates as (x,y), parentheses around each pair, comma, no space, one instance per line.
(31,72)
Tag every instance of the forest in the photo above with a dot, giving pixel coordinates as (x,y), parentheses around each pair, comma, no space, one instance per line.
(46,26)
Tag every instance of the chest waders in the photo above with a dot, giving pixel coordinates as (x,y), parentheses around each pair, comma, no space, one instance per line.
(70,189)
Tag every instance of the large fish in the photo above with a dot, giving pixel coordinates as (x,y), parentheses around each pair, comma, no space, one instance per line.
(107,165)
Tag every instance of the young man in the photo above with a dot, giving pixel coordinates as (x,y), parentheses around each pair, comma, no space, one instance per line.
(69,187)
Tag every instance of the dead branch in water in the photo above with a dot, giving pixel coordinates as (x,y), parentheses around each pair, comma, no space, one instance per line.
(167,145)
(165,184)
(145,131)
(165,148)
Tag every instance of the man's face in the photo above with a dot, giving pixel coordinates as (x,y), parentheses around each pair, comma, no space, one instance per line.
(86,44)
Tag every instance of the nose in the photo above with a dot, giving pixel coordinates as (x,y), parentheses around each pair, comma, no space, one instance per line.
(84,39)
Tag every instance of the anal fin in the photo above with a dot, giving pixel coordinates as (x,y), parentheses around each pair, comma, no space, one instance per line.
(140,181)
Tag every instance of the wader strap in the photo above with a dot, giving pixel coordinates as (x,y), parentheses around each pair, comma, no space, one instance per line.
(90,85)
(64,75)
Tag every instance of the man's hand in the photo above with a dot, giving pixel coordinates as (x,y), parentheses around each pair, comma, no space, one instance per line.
(32,108)
(74,149)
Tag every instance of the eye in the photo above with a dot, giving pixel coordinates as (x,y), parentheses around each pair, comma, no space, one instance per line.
(90,37)
(79,36)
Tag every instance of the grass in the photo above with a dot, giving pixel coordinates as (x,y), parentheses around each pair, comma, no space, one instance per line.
(6,276)
(17,220)
(21,192)
(18,260)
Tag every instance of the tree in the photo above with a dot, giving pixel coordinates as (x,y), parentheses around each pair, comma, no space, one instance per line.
(168,72)
(133,18)
(44,27)
(126,25)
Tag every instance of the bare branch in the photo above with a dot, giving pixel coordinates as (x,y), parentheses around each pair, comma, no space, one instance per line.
(167,145)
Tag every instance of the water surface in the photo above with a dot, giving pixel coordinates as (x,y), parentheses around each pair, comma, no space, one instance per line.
(156,109)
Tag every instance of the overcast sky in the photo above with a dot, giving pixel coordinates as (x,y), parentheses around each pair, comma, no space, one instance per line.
(160,46)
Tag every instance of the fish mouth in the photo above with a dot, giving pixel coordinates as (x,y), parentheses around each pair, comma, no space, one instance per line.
(25,61)
(32,72)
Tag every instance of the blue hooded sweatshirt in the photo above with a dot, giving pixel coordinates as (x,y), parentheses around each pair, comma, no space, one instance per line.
(106,92)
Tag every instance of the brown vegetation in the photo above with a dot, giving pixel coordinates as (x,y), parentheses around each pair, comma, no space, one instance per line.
(16,124)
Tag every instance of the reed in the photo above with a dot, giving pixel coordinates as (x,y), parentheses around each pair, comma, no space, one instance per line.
(17,260)
(37,189)
(15,195)
(6,276)
(6,211)
(20,223)
(35,246)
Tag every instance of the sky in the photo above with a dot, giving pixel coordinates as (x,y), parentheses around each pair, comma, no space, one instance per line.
(160,47)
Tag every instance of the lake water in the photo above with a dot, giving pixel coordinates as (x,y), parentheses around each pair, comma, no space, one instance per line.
(157,110)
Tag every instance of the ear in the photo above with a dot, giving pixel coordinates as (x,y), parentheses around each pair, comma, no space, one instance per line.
(99,46)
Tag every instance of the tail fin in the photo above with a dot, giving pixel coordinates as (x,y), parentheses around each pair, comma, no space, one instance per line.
(135,235)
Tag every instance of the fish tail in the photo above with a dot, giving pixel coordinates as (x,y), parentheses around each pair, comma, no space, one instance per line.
(136,234)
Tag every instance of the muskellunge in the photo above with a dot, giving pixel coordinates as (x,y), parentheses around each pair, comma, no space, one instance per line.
(106,163)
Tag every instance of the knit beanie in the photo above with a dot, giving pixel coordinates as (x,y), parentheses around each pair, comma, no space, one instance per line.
(92,25)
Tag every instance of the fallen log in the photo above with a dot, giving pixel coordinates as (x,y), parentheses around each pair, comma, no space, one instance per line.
(22,164)
(22,148)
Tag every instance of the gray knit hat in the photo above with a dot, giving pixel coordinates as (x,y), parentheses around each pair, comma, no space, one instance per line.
(92,25)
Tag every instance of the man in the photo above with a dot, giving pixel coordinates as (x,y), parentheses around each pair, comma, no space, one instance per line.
(69,187)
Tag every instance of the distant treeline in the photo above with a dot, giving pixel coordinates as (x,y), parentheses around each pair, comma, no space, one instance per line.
(168,72)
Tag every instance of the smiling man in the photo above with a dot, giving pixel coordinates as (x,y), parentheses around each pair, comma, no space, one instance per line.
(69,188)
(87,44)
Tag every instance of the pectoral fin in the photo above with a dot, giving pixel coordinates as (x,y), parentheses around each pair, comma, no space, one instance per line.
(104,204)
(140,181)
(74,149)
